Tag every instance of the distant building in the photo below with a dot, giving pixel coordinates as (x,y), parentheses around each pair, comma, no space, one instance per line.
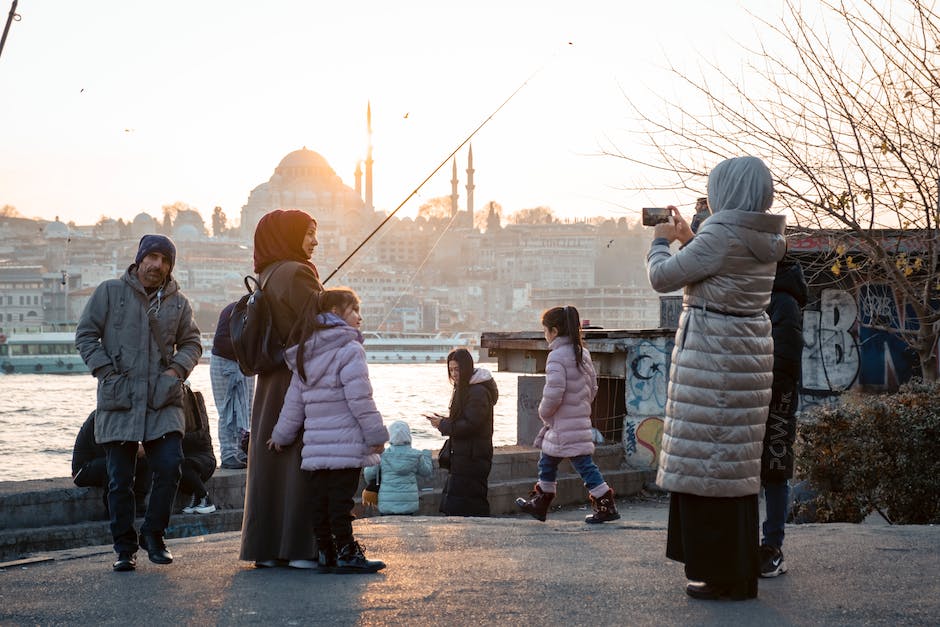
(304,180)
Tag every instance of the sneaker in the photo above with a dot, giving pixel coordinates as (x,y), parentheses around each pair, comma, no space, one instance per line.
(771,561)
(351,559)
(204,505)
(304,564)
(191,504)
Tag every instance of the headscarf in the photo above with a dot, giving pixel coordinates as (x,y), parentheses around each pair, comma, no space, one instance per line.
(742,184)
(279,236)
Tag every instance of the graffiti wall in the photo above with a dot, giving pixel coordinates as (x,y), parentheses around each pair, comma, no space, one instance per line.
(848,343)
(647,377)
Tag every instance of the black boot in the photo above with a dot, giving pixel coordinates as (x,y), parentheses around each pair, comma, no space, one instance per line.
(326,555)
(127,560)
(351,560)
(604,509)
(156,548)
(537,503)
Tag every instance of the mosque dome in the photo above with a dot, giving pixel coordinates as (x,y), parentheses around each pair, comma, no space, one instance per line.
(186,233)
(303,158)
(57,230)
(143,224)
(304,166)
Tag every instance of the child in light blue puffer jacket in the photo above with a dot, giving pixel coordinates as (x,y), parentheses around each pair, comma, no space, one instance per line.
(400,467)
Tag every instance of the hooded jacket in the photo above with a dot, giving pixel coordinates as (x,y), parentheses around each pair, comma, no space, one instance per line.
(398,472)
(136,401)
(786,315)
(334,406)
(721,372)
(470,430)
(565,408)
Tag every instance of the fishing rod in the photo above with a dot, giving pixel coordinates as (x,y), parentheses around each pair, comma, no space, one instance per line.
(13,16)
(433,172)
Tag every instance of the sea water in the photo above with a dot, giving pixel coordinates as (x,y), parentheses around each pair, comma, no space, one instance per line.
(40,414)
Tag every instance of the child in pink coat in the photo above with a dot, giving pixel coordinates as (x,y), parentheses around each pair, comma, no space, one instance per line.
(565,410)
(330,401)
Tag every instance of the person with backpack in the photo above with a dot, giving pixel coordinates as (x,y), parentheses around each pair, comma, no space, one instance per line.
(277,525)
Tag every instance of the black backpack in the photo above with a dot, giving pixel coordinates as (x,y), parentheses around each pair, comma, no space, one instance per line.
(258,348)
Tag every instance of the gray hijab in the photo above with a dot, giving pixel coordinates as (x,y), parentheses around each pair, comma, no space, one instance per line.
(741,183)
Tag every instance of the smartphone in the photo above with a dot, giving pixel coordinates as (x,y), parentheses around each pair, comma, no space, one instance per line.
(655,215)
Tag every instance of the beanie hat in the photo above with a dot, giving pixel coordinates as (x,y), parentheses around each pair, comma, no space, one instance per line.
(156,244)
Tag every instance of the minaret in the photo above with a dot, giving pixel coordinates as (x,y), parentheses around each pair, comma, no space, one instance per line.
(453,190)
(470,187)
(359,179)
(369,204)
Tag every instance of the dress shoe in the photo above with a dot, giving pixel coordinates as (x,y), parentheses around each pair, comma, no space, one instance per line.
(156,548)
(705,591)
(126,561)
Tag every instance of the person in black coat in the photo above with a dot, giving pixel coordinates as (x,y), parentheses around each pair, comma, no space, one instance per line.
(89,466)
(198,465)
(469,427)
(786,315)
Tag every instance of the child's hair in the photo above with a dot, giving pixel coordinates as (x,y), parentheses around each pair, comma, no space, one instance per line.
(567,322)
(339,298)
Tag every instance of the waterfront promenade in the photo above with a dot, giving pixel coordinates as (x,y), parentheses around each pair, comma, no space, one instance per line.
(508,570)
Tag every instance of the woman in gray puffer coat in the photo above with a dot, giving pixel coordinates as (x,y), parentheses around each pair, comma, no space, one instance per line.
(720,377)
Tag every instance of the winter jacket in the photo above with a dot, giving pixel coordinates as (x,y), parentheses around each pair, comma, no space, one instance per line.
(470,429)
(334,405)
(565,408)
(198,450)
(85,448)
(400,468)
(721,372)
(136,401)
(786,315)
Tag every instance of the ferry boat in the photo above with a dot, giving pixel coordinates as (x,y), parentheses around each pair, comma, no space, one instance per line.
(40,352)
(384,347)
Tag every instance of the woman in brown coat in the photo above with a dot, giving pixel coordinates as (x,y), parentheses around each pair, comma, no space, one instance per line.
(277,528)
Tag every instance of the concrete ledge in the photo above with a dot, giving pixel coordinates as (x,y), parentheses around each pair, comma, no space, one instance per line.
(52,514)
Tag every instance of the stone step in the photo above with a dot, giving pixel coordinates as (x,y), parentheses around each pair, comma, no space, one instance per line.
(19,543)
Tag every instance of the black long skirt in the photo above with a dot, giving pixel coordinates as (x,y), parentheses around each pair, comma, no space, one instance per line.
(716,538)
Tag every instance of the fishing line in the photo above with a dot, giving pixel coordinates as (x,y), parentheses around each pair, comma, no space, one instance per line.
(414,275)
(435,170)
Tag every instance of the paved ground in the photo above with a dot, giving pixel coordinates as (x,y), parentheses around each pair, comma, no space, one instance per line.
(509,571)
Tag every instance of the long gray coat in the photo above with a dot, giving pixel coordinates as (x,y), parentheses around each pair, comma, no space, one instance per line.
(138,403)
(722,365)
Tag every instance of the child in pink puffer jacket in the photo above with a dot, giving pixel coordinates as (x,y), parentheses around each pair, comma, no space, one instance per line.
(565,410)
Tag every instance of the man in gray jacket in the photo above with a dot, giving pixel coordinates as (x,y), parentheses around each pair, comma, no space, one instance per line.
(140,396)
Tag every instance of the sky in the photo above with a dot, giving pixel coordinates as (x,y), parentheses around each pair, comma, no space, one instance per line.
(117,107)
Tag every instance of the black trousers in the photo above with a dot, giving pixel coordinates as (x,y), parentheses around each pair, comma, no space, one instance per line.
(333,500)
(193,479)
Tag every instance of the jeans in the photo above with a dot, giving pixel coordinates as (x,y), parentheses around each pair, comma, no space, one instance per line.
(164,457)
(776,502)
(233,393)
(583,464)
